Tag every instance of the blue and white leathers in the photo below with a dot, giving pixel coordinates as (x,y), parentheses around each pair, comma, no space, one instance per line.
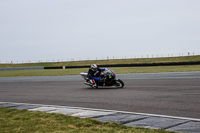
(96,73)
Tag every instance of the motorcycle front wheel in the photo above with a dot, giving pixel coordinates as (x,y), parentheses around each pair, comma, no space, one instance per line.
(119,84)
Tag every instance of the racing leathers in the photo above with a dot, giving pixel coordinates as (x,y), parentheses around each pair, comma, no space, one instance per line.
(94,76)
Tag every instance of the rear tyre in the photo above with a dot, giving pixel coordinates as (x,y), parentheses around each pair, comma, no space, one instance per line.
(119,84)
(95,87)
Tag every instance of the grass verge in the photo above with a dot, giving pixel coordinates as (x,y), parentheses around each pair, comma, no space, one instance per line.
(24,121)
(76,71)
(108,62)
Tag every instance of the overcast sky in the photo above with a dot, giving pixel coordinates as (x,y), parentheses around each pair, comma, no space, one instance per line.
(88,29)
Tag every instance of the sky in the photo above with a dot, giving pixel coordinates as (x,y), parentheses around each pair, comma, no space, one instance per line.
(64,30)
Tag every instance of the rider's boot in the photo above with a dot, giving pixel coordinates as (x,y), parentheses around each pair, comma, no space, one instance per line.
(93,83)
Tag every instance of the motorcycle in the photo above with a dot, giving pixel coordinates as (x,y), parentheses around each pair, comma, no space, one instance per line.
(109,79)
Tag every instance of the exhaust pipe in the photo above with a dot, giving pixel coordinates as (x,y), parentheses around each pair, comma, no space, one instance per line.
(88,83)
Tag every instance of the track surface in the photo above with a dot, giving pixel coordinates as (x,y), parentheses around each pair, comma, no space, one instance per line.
(175,94)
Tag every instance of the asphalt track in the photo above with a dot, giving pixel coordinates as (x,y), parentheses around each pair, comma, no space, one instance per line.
(174,94)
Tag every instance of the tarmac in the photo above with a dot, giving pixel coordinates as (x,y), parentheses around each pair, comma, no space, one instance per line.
(133,119)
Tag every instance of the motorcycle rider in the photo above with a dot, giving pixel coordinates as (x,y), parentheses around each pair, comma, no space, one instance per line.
(94,74)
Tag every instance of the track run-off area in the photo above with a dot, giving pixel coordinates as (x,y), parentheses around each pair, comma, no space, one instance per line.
(173,94)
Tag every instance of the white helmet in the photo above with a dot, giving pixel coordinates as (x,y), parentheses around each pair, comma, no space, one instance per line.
(94,67)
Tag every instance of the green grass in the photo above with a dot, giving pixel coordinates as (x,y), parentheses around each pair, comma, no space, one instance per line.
(156,69)
(23,121)
(104,62)
(76,71)
(111,61)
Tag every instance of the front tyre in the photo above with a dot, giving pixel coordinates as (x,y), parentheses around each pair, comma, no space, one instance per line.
(119,84)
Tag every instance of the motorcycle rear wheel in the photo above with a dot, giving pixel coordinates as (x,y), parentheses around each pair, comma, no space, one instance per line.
(119,84)
(95,87)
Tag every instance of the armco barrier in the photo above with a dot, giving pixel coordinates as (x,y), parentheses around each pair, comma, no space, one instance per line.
(132,65)
(20,68)
(53,67)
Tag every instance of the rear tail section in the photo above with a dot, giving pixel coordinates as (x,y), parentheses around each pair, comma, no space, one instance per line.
(84,75)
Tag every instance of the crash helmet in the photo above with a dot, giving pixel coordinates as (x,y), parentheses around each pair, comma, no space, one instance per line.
(93,67)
